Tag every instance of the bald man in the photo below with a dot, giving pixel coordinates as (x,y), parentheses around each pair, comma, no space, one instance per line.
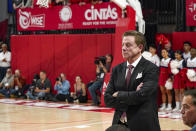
(5,61)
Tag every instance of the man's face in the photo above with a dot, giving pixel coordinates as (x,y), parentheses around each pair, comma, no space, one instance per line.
(42,76)
(152,50)
(168,46)
(4,48)
(193,52)
(188,111)
(187,47)
(8,73)
(129,48)
(17,73)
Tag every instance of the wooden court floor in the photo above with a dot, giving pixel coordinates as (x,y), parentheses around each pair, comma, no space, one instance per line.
(20,117)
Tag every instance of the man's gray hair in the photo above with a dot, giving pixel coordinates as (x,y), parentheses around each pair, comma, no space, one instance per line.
(4,45)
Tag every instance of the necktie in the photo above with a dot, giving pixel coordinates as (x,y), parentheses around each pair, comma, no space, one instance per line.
(130,67)
(123,118)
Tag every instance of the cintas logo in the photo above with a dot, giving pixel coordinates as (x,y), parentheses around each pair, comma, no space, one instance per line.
(101,14)
(27,20)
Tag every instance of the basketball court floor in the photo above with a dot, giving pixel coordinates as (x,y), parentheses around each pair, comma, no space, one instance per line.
(27,115)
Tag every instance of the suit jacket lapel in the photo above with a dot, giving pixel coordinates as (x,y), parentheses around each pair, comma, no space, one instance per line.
(124,67)
(136,70)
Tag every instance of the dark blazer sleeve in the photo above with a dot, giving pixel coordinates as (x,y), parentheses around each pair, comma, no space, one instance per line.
(111,101)
(149,88)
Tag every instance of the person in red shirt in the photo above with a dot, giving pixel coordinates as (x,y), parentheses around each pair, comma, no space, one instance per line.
(19,84)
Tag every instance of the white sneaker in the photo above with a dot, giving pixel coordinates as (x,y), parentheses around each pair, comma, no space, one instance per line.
(168,109)
(175,109)
(163,107)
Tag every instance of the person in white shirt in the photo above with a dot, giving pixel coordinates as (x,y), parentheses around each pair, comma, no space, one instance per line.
(154,58)
(187,48)
(5,60)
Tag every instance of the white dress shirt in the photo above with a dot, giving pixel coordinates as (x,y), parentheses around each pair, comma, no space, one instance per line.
(155,60)
(7,56)
(186,56)
(191,62)
(134,64)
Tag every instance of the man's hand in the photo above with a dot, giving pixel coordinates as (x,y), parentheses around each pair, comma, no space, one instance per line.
(139,86)
(37,90)
(4,60)
(101,64)
(115,94)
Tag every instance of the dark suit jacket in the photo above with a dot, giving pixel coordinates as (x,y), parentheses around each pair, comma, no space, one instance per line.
(140,106)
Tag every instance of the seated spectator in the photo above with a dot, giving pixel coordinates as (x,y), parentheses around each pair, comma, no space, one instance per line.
(62,86)
(79,91)
(7,84)
(19,84)
(32,86)
(5,61)
(101,69)
(80,2)
(42,89)
(50,3)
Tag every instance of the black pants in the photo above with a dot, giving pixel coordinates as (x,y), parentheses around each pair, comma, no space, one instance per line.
(62,97)
(3,71)
(82,99)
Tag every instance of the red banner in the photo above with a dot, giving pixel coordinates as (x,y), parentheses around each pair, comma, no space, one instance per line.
(105,84)
(191,12)
(88,16)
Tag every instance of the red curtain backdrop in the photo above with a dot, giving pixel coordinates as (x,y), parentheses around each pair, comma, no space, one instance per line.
(179,37)
(70,54)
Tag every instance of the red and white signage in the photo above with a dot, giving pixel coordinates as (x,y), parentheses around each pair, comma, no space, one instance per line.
(88,16)
(191,12)
(105,84)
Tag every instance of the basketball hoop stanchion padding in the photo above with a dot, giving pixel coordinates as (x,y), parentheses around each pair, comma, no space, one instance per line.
(106,81)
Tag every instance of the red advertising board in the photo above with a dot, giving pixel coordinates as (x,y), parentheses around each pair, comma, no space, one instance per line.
(191,12)
(88,16)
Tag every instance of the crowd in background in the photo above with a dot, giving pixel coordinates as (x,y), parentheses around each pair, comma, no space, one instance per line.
(13,84)
(177,74)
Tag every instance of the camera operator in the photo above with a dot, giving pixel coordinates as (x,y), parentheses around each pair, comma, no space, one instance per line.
(62,87)
(19,84)
(43,87)
(32,86)
(103,65)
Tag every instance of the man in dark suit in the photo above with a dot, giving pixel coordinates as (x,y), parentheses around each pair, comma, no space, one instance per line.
(189,109)
(132,89)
